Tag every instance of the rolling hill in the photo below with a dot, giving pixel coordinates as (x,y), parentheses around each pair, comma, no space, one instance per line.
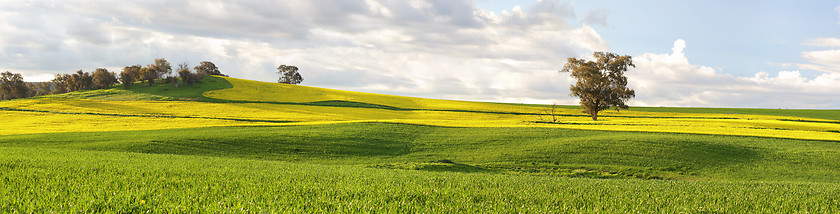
(229,143)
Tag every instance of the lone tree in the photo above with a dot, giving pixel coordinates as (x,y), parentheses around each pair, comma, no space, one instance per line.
(601,84)
(289,75)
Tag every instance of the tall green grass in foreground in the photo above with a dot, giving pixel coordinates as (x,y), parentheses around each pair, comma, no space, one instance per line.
(67,180)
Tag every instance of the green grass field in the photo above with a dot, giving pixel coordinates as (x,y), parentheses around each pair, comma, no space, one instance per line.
(229,145)
(67,180)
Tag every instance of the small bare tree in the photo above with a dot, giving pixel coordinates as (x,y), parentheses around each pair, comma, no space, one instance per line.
(551,110)
(186,75)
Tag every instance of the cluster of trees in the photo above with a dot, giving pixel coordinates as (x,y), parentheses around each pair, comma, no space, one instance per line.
(12,85)
(161,72)
(600,85)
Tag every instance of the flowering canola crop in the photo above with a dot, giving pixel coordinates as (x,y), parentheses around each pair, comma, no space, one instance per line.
(253,103)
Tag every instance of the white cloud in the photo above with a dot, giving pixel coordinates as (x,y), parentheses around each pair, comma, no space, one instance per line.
(671,80)
(586,38)
(428,48)
(824,42)
(823,60)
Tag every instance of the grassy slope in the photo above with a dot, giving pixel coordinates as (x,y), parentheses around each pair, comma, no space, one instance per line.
(507,150)
(144,92)
(727,164)
(222,90)
(249,90)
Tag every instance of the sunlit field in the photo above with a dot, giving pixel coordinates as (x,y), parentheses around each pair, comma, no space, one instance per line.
(247,103)
(229,144)
(52,180)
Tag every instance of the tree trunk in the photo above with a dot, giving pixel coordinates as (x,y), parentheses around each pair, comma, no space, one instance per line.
(595,110)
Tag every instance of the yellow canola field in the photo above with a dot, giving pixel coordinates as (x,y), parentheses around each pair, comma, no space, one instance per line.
(271,104)
(36,122)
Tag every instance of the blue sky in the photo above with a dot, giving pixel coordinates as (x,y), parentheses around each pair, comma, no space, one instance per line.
(765,54)
(739,37)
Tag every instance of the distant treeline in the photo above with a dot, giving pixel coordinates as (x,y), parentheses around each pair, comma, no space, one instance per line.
(12,85)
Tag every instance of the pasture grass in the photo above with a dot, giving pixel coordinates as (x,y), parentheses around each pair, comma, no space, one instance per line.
(41,180)
(141,91)
(208,83)
(534,151)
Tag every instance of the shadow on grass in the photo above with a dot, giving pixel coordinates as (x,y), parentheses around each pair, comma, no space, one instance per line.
(183,92)
(145,115)
(444,165)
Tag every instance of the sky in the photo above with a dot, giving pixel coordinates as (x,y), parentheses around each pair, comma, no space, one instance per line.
(752,54)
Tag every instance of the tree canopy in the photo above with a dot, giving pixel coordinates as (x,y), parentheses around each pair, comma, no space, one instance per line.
(601,84)
(289,75)
(12,86)
(186,75)
(61,84)
(80,81)
(104,79)
(161,67)
(207,68)
(149,75)
(129,75)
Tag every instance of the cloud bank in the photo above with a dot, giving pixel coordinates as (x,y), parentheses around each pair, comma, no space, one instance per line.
(446,49)
(671,80)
